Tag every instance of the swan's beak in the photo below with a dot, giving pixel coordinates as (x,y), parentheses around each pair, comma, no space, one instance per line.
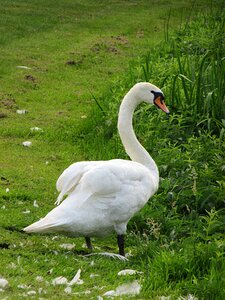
(161,104)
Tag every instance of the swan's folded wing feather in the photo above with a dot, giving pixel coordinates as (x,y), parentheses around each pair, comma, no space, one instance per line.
(70,178)
(104,181)
(115,178)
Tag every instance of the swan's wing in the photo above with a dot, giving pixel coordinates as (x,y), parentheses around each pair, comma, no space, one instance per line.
(70,178)
(113,183)
(116,181)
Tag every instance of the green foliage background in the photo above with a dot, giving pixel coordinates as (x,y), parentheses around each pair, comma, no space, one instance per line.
(81,67)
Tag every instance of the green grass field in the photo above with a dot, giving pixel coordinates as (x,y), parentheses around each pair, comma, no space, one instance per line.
(78,54)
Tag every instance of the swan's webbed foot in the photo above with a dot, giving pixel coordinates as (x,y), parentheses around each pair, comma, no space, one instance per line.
(88,243)
(120,241)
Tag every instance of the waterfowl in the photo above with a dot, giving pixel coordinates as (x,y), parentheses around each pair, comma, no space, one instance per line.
(99,197)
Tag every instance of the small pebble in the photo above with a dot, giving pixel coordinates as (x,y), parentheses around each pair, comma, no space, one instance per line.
(68,290)
(128,272)
(35,129)
(3,283)
(35,203)
(27,144)
(67,246)
(23,67)
(22,286)
(39,278)
(94,275)
(22,111)
(59,280)
(31,293)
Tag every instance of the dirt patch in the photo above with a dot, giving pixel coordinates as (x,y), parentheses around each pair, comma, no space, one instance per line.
(120,39)
(4,245)
(2,115)
(30,78)
(74,62)
(110,45)
(104,47)
(140,34)
(8,103)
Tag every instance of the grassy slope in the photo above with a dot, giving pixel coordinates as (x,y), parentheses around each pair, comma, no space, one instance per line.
(101,40)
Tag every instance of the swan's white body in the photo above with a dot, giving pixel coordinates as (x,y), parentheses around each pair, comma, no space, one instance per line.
(102,196)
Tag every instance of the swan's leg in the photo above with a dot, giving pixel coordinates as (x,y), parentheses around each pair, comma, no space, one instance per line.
(88,243)
(120,241)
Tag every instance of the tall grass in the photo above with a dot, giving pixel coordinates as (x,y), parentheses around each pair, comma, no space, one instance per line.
(194,70)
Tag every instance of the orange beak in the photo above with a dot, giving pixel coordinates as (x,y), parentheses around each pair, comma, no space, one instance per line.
(160,103)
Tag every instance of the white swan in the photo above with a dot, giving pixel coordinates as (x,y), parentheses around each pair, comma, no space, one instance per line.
(102,196)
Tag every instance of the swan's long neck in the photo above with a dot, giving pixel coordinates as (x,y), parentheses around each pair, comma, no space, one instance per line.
(125,127)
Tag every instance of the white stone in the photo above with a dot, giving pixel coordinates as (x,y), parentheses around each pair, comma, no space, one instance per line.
(110,293)
(31,293)
(22,286)
(39,278)
(131,288)
(67,246)
(23,67)
(94,275)
(59,280)
(22,111)
(76,279)
(27,144)
(68,290)
(3,283)
(35,129)
(35,203)
(128,272)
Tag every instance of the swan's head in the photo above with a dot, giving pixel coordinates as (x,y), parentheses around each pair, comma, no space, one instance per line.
(150,93)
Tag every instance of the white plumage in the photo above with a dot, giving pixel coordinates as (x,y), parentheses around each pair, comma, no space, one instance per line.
(102,196)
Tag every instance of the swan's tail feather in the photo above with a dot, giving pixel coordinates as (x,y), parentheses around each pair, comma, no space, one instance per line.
(42,226)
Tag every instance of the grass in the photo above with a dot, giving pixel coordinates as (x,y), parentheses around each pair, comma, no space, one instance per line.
(177,239)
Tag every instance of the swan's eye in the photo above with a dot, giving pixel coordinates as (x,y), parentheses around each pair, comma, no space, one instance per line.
(158,95)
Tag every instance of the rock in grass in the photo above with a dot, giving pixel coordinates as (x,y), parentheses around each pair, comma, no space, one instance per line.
(27,211)
(131,288)
(59,280)
(35,204)
(3,282)
(76,279)
(110,293)
(188,297)
(22,286)
(94,275)
(31,293)
(32,129)
(62,280)
(2,115)
(67,246)
(27,144)
(22,111)
(128,272)
(23,67)
(68,290)
(39,278)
